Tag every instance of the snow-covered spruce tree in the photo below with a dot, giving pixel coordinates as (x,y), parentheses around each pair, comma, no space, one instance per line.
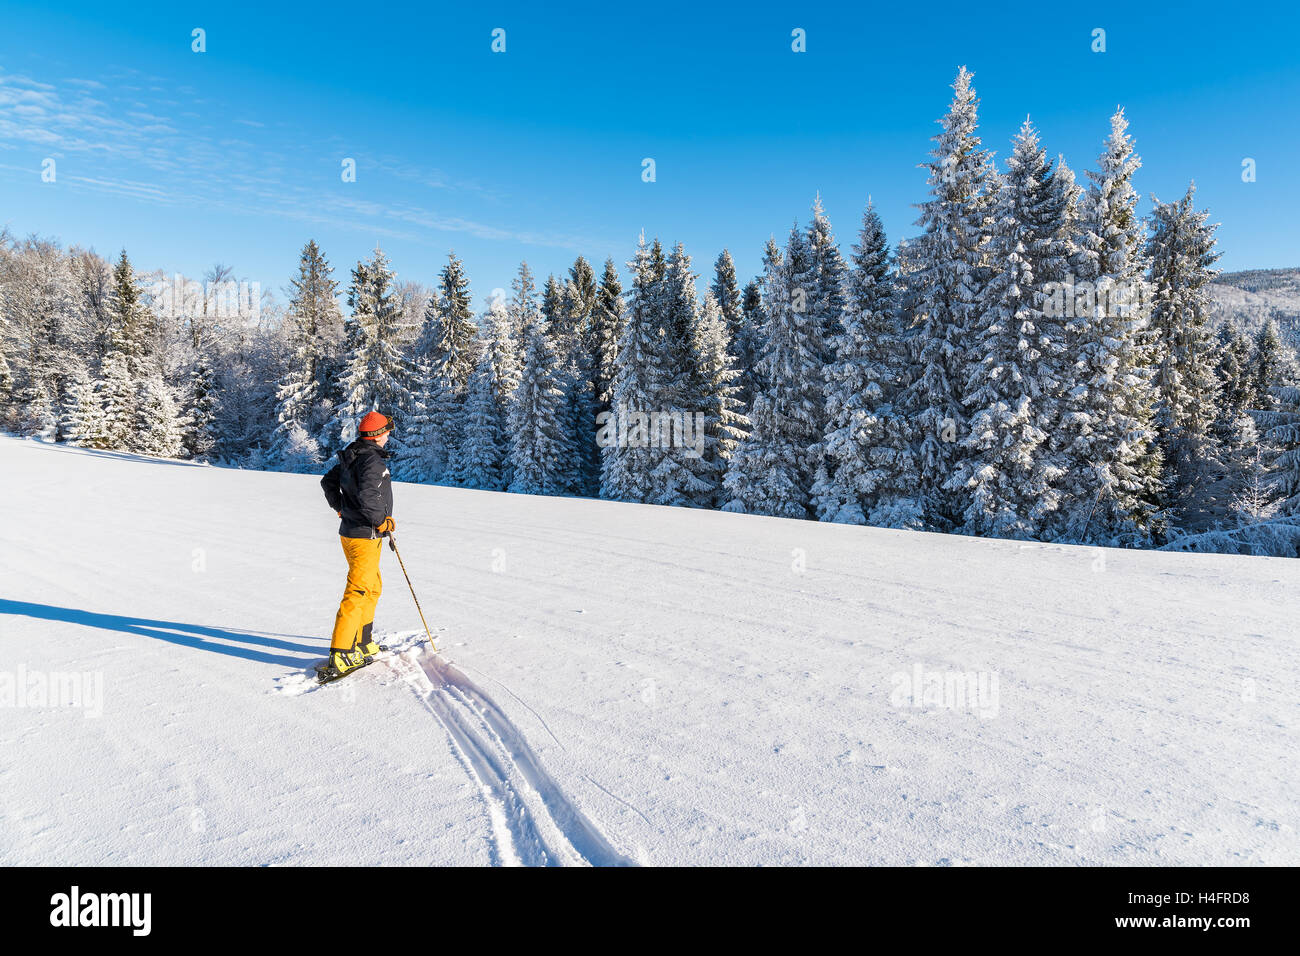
(375,374)
(602,336)
(1279,427)
(726,293)
(756,340)
(482,452)
(160,429)
(304,394)
(1245,484)
(6,373)
(523,301)
(37,415)
(450,361)
(552,298)
(826,293)
(500,347)
(131,319)
(857,465)
(951,269)
(679,474)
(39,309)
(748,345)
(1233,368)
(640,374)
(1111,487)
(731,303)
(200,438)
(1182,255)
(457,350)
(771,472)
(718,400)
(82,418)
(1268,364)
(1015,382)
(125,362)
(428,455)
(541,449)
(573,317)
(570,336)
(117,393)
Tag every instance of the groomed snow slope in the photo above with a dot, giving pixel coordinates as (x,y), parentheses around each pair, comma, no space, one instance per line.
(622,683)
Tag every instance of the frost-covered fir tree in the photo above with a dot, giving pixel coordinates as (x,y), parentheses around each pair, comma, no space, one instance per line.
(951,269)
(748,345)
(772,471)
(826,292)
(577,299)
(117,393)
(456,352)
(37,300)
(159,427)
(375,374)
(1233,369)
(1014,385)
(447,354)
(570,331)
(1268,364)
(483,449)
(731,303)
(1182,254)
(131,320)
(717,399)
(627,460)
(727,295)
(602,336)
(6,374)
(304,397)
(680,475)
(859,461)
(1111,486)
(201,423)
(83,417)
(1245,483)
(500,347)
(523,301)
(127,361)
(541,449)
(37,416)
(552,298)
(1281,432)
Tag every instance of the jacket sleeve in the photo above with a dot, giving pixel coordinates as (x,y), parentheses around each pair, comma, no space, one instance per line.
(331,485)
(371,478)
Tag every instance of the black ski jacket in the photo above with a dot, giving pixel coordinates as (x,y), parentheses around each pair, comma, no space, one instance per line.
(359,487)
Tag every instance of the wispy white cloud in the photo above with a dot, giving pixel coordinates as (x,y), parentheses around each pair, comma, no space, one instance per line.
(111,138)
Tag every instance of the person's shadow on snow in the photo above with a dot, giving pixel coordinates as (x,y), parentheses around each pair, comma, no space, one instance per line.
(216,639)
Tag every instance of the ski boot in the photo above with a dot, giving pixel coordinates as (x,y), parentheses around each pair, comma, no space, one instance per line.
(340,663)
(367,643)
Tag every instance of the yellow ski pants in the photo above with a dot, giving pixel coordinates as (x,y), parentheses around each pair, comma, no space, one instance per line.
(357,609)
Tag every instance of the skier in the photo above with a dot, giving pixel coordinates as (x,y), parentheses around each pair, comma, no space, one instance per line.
(358,487)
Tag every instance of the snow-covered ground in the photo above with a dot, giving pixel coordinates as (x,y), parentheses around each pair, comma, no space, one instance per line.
(620,683)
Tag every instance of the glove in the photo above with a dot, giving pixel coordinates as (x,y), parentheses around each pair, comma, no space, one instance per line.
(388,525)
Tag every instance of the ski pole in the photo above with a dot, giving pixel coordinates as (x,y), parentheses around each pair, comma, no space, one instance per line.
(392,543)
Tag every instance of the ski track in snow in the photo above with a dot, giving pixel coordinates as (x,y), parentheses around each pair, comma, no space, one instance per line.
(533,823)
(543,826)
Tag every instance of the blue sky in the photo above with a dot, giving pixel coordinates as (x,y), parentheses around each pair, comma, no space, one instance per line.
(233,155)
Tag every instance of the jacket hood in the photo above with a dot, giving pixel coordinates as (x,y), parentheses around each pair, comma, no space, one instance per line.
(358,447)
